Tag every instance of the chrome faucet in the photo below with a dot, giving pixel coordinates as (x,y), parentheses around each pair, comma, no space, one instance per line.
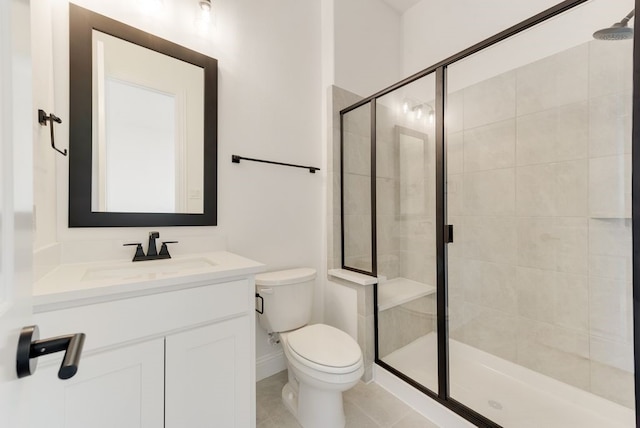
(152,249)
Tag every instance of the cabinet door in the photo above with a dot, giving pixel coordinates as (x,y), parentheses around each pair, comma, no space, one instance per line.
(209,377)
(120,388)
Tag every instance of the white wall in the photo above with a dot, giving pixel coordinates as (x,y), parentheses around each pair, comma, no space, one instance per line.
(269,106)
(433,30)
(367,45)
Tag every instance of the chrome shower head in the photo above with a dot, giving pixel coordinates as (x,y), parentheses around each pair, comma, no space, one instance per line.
(618,31)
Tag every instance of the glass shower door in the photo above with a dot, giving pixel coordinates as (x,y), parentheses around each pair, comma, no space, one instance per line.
(406,247)
(538,144)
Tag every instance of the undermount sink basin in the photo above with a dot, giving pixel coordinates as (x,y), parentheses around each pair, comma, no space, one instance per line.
(154,267)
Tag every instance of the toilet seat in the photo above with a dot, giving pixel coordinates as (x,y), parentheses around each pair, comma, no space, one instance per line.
(324,348)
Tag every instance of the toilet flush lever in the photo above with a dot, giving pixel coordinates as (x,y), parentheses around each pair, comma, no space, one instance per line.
(261,310)
(266,290)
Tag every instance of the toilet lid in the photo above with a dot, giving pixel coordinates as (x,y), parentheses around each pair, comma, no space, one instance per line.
(325,345)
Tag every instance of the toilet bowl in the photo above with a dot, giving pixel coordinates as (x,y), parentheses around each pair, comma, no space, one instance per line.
(322,361)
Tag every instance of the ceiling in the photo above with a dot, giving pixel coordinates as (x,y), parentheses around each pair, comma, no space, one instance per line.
(401,5)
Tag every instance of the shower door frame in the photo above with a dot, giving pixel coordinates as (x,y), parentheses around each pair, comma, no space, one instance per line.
(440,69)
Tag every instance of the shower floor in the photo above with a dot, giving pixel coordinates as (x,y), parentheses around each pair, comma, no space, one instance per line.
(507,393)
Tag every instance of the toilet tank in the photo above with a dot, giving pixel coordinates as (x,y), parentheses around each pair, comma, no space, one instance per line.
(288,297)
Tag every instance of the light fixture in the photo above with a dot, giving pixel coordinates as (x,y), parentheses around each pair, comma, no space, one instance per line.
(205,5)
(203,19)
(418,110)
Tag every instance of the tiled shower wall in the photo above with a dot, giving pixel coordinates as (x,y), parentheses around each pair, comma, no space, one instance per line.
(538,163)
(406,240)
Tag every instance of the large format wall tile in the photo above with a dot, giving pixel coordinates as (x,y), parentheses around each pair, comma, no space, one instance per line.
(536,243)
(557,352)
(357,194)
(610,186)
(418,267)
(610,237)
(357,154)
(558,244)
(571,248)
(571,192)
(613,384)
(535,290)
(490,101)
(552,189)
(553,135)
(553,81)
(491,331)
(455,194)
(613,267)
(492,239)
(490,146)
(490,284)
(610,309)
(610,67)
(610,124)
(536,190)
(571,301)
(612,353)
(454,116)
(489,192)
(454,153)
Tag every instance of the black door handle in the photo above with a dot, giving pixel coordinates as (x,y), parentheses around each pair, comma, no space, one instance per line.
(30,348)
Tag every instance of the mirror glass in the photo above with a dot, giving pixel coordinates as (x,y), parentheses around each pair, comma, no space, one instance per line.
(142,128)
(148,130)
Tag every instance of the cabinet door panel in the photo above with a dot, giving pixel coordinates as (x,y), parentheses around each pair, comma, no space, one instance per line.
(119,388)
(208,377)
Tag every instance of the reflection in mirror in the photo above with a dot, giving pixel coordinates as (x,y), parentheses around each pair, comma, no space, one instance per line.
(142,128)
(148,121)
(412,192)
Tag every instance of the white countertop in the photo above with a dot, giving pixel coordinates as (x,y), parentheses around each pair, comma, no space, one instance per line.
(87,283)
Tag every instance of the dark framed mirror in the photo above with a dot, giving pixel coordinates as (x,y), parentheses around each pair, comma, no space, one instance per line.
(142,128)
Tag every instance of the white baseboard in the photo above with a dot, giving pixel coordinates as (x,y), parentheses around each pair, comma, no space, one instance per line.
(270,364)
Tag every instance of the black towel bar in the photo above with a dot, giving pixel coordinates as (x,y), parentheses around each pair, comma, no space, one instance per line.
(237,159)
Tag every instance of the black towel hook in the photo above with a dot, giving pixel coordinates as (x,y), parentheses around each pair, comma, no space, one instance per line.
(42,119)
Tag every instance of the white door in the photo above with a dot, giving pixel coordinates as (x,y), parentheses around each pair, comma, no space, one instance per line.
(16,203)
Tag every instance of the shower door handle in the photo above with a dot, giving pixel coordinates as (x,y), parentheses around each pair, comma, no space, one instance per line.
(448,234)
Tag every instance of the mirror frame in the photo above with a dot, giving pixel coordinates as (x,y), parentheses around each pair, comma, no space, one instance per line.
(81,24)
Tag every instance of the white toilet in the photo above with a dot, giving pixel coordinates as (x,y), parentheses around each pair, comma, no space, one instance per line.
(322,361)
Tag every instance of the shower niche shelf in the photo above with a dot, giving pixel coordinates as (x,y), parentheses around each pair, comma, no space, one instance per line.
(397,291)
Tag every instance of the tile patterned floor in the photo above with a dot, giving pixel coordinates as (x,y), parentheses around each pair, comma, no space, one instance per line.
(365,406)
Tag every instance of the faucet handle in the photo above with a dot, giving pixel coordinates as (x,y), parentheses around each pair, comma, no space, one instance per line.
(164,251)
(139,251)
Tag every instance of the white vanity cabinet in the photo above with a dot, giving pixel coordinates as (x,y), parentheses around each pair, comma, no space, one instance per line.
(175,358)
(119,388)
(207,377)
